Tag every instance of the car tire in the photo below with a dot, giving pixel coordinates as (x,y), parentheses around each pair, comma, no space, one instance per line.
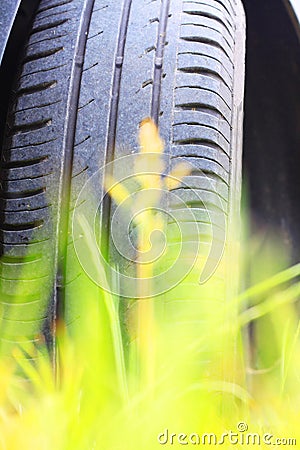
(91,71)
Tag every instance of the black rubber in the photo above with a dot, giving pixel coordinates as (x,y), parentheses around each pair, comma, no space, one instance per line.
(91,71)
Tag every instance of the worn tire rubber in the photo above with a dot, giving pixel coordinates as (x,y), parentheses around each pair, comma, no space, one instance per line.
(91,71)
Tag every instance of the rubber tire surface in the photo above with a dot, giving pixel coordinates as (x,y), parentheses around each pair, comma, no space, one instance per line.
(92,70)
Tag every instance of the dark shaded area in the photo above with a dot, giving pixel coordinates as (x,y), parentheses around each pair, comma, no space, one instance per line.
(272,121)
(12,55)
(271,161)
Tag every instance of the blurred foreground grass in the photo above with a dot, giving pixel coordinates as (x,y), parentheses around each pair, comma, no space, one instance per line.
(153,394)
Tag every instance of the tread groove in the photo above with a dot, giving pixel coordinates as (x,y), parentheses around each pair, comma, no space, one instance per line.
(231,46)
(90,67)
(23,163)
(82,141)
(231,14)
(203,71)
(11,259)
(217,1)
(197,107)
(48,26)
(81,172)
(51,38)
(216,7)
(42,55)
(202,189)
(43,105)
(32,177)
(32,126)
(199,141)
(188,52)
(86,104)
(56,5)
(204,40)
(65,11)
(36,144)
(187,155)
(41,71)
(116,84)
(209,206)
(203,89)
(209,16)
(37,88)
(191,123)
(95,35)
(158,61)
(22,226)
(201,107)
(114,107)
(22,195)
(45,206)
(68,151)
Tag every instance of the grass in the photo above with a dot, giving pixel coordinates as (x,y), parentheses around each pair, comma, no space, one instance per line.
(162,385)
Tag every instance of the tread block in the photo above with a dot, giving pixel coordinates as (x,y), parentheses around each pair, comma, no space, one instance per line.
(29,311)
(210,23)
(205,117)
(201,165)
(195,80)
(205,49)
(198,33)
(193,133)
(210,10)
(195,98)
(196,198)
(206,183)
(194,63)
